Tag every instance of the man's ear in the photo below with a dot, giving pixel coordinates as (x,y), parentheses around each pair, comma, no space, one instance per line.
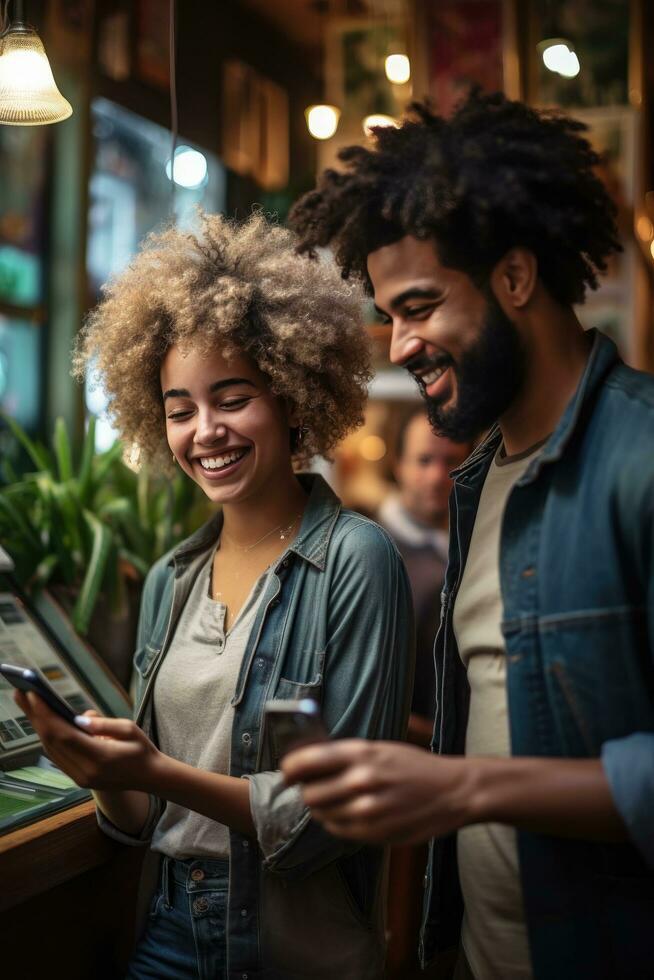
(514,278)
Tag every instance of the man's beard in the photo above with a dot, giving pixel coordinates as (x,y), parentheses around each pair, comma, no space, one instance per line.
(489,375)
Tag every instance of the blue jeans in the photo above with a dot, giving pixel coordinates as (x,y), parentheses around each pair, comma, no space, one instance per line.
(184,938)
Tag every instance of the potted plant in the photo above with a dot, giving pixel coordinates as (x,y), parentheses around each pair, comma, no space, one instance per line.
(89,530)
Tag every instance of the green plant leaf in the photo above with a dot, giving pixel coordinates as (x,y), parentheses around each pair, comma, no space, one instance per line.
(18,523)
(141,566)
(65,499)
(85,474)
(105,461)
(63,455)
(44,572)
(101,543)
(37,453)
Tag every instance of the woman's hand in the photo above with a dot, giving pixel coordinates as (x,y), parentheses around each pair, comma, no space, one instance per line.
(117,756)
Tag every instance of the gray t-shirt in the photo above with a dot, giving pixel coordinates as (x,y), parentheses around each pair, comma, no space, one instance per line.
(193,711)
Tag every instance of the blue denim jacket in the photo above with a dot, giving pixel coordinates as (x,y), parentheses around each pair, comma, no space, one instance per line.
(335,623)
(577,579)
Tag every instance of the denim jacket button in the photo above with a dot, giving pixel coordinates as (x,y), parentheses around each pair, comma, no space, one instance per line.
(197,874)
(246,738)
(200,905)
(244,912)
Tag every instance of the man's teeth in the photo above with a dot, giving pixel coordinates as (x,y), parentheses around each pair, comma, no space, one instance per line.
(428,379)
(219,462)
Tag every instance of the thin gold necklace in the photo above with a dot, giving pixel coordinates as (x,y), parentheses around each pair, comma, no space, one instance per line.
(284,531)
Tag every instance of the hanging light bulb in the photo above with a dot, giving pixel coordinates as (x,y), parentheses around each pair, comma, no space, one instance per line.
(559,56)
(190,168)
(28,92)
(398,69)
(322,120)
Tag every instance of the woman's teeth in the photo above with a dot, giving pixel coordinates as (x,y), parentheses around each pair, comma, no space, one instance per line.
(219,462)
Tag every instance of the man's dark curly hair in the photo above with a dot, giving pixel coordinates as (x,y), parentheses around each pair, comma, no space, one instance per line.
(496,175)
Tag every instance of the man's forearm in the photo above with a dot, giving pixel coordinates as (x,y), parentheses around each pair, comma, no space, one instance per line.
(562,797)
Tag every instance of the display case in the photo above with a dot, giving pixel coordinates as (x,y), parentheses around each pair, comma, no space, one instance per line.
(34,632)
(52,853)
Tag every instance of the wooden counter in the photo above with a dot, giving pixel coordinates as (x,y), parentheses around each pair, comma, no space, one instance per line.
(67,899)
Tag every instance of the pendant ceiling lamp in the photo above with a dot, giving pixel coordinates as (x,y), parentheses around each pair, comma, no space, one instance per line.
(558,53)
(322,117)
(28,93)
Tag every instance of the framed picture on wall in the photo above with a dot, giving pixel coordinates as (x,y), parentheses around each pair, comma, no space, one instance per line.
(355,78)
(465,46)
(255,137)
(613,133)
(152,53)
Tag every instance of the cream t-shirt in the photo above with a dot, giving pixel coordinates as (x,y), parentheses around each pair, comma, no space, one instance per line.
(494,935)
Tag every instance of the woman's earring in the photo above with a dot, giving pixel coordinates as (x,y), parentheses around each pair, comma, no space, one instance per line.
(174,458)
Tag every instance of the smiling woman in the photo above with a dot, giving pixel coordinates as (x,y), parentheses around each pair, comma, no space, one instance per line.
(239,289)
(241,359)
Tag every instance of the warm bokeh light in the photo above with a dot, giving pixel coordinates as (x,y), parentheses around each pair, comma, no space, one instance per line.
(651,248)
(322,120)
(377,119)
(645,228)
(28,93)
(398,69)
(372,448)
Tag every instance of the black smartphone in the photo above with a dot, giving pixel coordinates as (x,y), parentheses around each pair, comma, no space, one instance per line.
(294,723)
(28,679)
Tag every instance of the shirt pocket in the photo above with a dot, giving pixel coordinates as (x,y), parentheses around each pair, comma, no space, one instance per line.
(145,658)
(296,690)
(290,690)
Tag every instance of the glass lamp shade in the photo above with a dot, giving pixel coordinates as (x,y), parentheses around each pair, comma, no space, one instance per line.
(28,93)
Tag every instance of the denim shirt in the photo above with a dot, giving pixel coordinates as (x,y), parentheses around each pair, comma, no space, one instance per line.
(577,581)
(335,623)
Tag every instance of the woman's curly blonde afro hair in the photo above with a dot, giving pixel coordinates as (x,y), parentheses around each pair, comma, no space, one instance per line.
(240,288)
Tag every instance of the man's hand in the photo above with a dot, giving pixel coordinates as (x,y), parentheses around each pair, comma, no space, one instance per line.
(382,791)
(387,791)
(118,756)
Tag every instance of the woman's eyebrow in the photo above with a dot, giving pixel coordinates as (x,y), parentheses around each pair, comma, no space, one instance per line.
(216,386)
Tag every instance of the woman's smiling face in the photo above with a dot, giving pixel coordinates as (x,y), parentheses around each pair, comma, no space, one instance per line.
(226,428)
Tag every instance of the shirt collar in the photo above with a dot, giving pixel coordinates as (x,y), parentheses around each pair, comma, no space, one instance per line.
(602,358)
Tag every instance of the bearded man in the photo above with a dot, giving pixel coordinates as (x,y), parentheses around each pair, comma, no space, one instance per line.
(477,235)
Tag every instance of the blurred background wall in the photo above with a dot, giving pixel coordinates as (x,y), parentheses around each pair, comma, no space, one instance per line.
(77,197)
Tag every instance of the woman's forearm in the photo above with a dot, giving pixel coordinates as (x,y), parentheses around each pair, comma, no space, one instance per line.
(225,799)
(126,809)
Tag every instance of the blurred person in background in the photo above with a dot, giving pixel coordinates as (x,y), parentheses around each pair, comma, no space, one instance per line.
(417,517)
